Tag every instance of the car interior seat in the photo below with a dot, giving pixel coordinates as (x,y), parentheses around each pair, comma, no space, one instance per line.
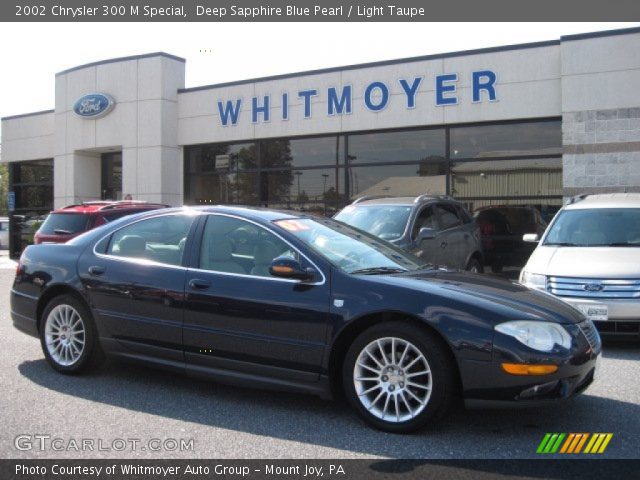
(217,256)
(132,246)
(263,255)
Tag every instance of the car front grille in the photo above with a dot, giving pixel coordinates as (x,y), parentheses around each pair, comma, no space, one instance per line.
(588,329)
(594,287)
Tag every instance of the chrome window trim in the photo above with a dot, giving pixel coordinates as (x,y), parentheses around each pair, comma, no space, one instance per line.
(248,275)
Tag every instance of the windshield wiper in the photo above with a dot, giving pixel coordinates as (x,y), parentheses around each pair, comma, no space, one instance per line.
(59,231)
(378,270)
(563,244)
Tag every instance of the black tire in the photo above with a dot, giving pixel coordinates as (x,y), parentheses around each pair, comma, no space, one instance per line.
(91,354)
(439,361)
(474,265)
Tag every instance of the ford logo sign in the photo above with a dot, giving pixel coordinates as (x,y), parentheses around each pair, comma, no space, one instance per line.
(593,287)
(94,105)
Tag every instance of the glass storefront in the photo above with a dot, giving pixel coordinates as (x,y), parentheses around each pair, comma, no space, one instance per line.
(32,184)
(508,163)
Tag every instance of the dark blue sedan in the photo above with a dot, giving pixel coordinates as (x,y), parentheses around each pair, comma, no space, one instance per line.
(280,300)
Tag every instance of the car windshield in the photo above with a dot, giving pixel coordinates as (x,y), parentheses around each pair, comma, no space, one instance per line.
(384,221)
(609,227)
(349,249)
(64,224)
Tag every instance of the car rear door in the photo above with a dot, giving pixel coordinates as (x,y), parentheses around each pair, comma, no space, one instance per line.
(451,236)
(135,282)
(239,317)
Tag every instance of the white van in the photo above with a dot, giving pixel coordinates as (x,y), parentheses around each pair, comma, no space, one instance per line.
(589,256)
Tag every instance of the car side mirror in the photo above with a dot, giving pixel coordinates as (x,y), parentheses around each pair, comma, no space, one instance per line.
(426,233)
(531,237)
(287,267)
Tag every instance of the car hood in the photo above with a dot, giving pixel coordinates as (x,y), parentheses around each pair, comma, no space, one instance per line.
(500,298)
(587,262)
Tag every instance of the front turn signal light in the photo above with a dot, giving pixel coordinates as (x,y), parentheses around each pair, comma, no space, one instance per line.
(524,369)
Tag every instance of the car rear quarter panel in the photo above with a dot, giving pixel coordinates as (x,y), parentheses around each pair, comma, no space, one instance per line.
(42,269)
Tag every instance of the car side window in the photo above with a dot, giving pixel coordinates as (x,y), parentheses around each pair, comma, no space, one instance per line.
(160,239)
(426,218)
(448,216)
(232,245)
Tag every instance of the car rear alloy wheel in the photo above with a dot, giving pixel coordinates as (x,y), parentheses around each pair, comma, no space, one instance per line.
(392,379)
(65,335)
(68,335)
(398,376)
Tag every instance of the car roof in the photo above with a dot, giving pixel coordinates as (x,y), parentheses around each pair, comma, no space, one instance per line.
(100,205)
(403,201)
(604,200)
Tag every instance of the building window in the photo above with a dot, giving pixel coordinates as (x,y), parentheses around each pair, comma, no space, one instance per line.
(318,191)
(498,163)
(397,180)
(534,181)
(302,152)
(32,185)
(401,146)
(506,140)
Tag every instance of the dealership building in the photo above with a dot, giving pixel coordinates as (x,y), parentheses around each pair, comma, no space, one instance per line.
(522,124)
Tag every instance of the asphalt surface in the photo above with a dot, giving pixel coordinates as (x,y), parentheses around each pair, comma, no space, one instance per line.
(135,403)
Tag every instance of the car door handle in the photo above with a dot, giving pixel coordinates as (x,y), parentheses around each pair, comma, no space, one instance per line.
(443,245)
(96,270)
(198,284)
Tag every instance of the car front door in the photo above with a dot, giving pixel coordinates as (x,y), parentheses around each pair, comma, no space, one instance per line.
(135,283)
(428,249)
(239,317)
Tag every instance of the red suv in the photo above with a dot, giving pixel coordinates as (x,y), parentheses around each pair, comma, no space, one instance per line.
(65,223)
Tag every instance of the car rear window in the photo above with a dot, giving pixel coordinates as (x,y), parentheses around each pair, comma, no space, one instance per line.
(516,221)
(64,223)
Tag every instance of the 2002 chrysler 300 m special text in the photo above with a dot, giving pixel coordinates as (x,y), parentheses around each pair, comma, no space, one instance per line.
(275,299)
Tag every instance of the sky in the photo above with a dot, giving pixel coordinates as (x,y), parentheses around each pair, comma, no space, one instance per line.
(218,52)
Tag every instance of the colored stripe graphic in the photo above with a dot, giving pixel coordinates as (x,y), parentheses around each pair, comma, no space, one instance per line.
(551,442)
(574,443)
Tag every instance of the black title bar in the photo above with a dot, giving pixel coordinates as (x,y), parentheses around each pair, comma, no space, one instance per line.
(316,10)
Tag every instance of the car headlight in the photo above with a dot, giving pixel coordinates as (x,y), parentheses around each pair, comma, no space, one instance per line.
(541,336)
(534,280)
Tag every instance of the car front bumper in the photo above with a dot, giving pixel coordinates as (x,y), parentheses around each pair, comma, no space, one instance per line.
(486,384)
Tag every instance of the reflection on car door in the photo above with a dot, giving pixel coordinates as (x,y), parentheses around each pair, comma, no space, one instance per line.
(239,317)
(135,285)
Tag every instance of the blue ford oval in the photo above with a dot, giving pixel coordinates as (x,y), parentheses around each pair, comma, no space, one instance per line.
(93,105)
(282,300)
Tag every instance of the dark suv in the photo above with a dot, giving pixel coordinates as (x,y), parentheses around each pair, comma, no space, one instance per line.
(438,229)
(502,229)
(65,223)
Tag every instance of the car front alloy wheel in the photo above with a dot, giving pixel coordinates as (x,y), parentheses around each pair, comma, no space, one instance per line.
(398,376)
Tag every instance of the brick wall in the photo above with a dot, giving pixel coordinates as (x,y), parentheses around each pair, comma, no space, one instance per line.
(601,151)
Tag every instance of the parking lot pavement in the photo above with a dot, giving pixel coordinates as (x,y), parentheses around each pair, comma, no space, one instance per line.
(134,403)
